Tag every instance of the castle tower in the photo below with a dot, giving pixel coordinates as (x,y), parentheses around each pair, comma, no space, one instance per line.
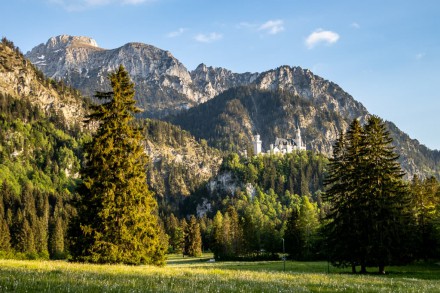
(298,139)
(257,144)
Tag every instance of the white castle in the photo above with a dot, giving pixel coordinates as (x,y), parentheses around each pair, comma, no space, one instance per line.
(281,145)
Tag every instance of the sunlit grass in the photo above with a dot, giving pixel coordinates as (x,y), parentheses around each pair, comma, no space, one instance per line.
(199,275)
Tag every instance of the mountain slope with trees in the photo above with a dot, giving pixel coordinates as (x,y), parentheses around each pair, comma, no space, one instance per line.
(40,155)
(230,120)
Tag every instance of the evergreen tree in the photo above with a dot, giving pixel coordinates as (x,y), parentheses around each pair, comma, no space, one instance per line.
(217,237)
(117,214)
(424,202)
(176,234)
(193,238)
(292,236)
(308,225)
(368,221)
(384,199)
(5,236)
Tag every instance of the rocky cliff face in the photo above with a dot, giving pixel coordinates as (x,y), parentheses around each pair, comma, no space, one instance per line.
(164,85)
(19,78)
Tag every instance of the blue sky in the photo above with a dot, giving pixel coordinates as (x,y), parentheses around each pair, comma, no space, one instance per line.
(385,53)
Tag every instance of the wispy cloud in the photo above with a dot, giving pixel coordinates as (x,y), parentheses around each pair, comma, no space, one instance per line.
(208,38)
(355,25)
(177,33)
(246,25)
(272,27)
(321,36)
(78,5)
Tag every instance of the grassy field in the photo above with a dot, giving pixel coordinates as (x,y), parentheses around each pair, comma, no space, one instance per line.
(198,275)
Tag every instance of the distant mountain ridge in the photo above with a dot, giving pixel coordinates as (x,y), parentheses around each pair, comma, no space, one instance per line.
(164,87)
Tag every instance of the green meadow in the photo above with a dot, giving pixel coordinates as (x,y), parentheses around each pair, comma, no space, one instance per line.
(199,275)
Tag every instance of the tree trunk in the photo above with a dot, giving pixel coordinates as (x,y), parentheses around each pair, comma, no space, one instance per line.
(353,269)
(382,270)
(363,269)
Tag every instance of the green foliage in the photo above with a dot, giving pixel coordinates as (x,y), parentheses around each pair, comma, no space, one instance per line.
(369,221)
(193,238)
(425,209)
(38,163)
(252,216)
(117,214)
(228,121)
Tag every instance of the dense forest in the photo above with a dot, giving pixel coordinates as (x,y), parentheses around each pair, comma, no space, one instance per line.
(39,164)
(229,121)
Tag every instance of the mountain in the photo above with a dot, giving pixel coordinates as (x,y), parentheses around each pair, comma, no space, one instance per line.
(19,78)
(163,84)
(179,165)
(165,87)
(230,120)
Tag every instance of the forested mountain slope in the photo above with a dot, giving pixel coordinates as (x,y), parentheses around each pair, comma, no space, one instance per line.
(229,121)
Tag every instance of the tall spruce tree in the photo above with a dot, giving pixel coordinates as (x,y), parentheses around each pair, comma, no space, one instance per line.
(193,238)
(117,213)
(369,218)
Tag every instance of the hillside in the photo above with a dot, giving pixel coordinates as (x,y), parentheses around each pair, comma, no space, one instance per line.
(40,152)
(41,139)
(178,165)
(231,119)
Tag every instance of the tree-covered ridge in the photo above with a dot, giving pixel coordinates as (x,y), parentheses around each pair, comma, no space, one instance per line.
(39,165)
(178,163)
(229,121)
(244,211)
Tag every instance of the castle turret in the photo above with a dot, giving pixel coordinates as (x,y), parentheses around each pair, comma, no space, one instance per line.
(257,144)
(298,140)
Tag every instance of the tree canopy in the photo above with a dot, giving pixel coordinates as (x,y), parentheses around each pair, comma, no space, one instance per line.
(369,218)
(117,214)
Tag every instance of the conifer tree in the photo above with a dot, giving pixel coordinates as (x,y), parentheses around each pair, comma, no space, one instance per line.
(368,223)
(292,236)
(193,238)
(5,236)
(117,218)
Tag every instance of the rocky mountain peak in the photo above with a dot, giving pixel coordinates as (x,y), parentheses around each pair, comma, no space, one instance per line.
(19,79)
(64,41)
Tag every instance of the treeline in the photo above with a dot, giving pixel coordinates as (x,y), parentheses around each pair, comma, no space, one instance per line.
(33,224)
(39,165)
(229,120)
(248,214)
(268,201)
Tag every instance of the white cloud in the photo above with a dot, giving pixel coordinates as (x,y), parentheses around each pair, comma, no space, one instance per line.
(272,26)
(355,25)
(321,36)
(177,33)
(209,38)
